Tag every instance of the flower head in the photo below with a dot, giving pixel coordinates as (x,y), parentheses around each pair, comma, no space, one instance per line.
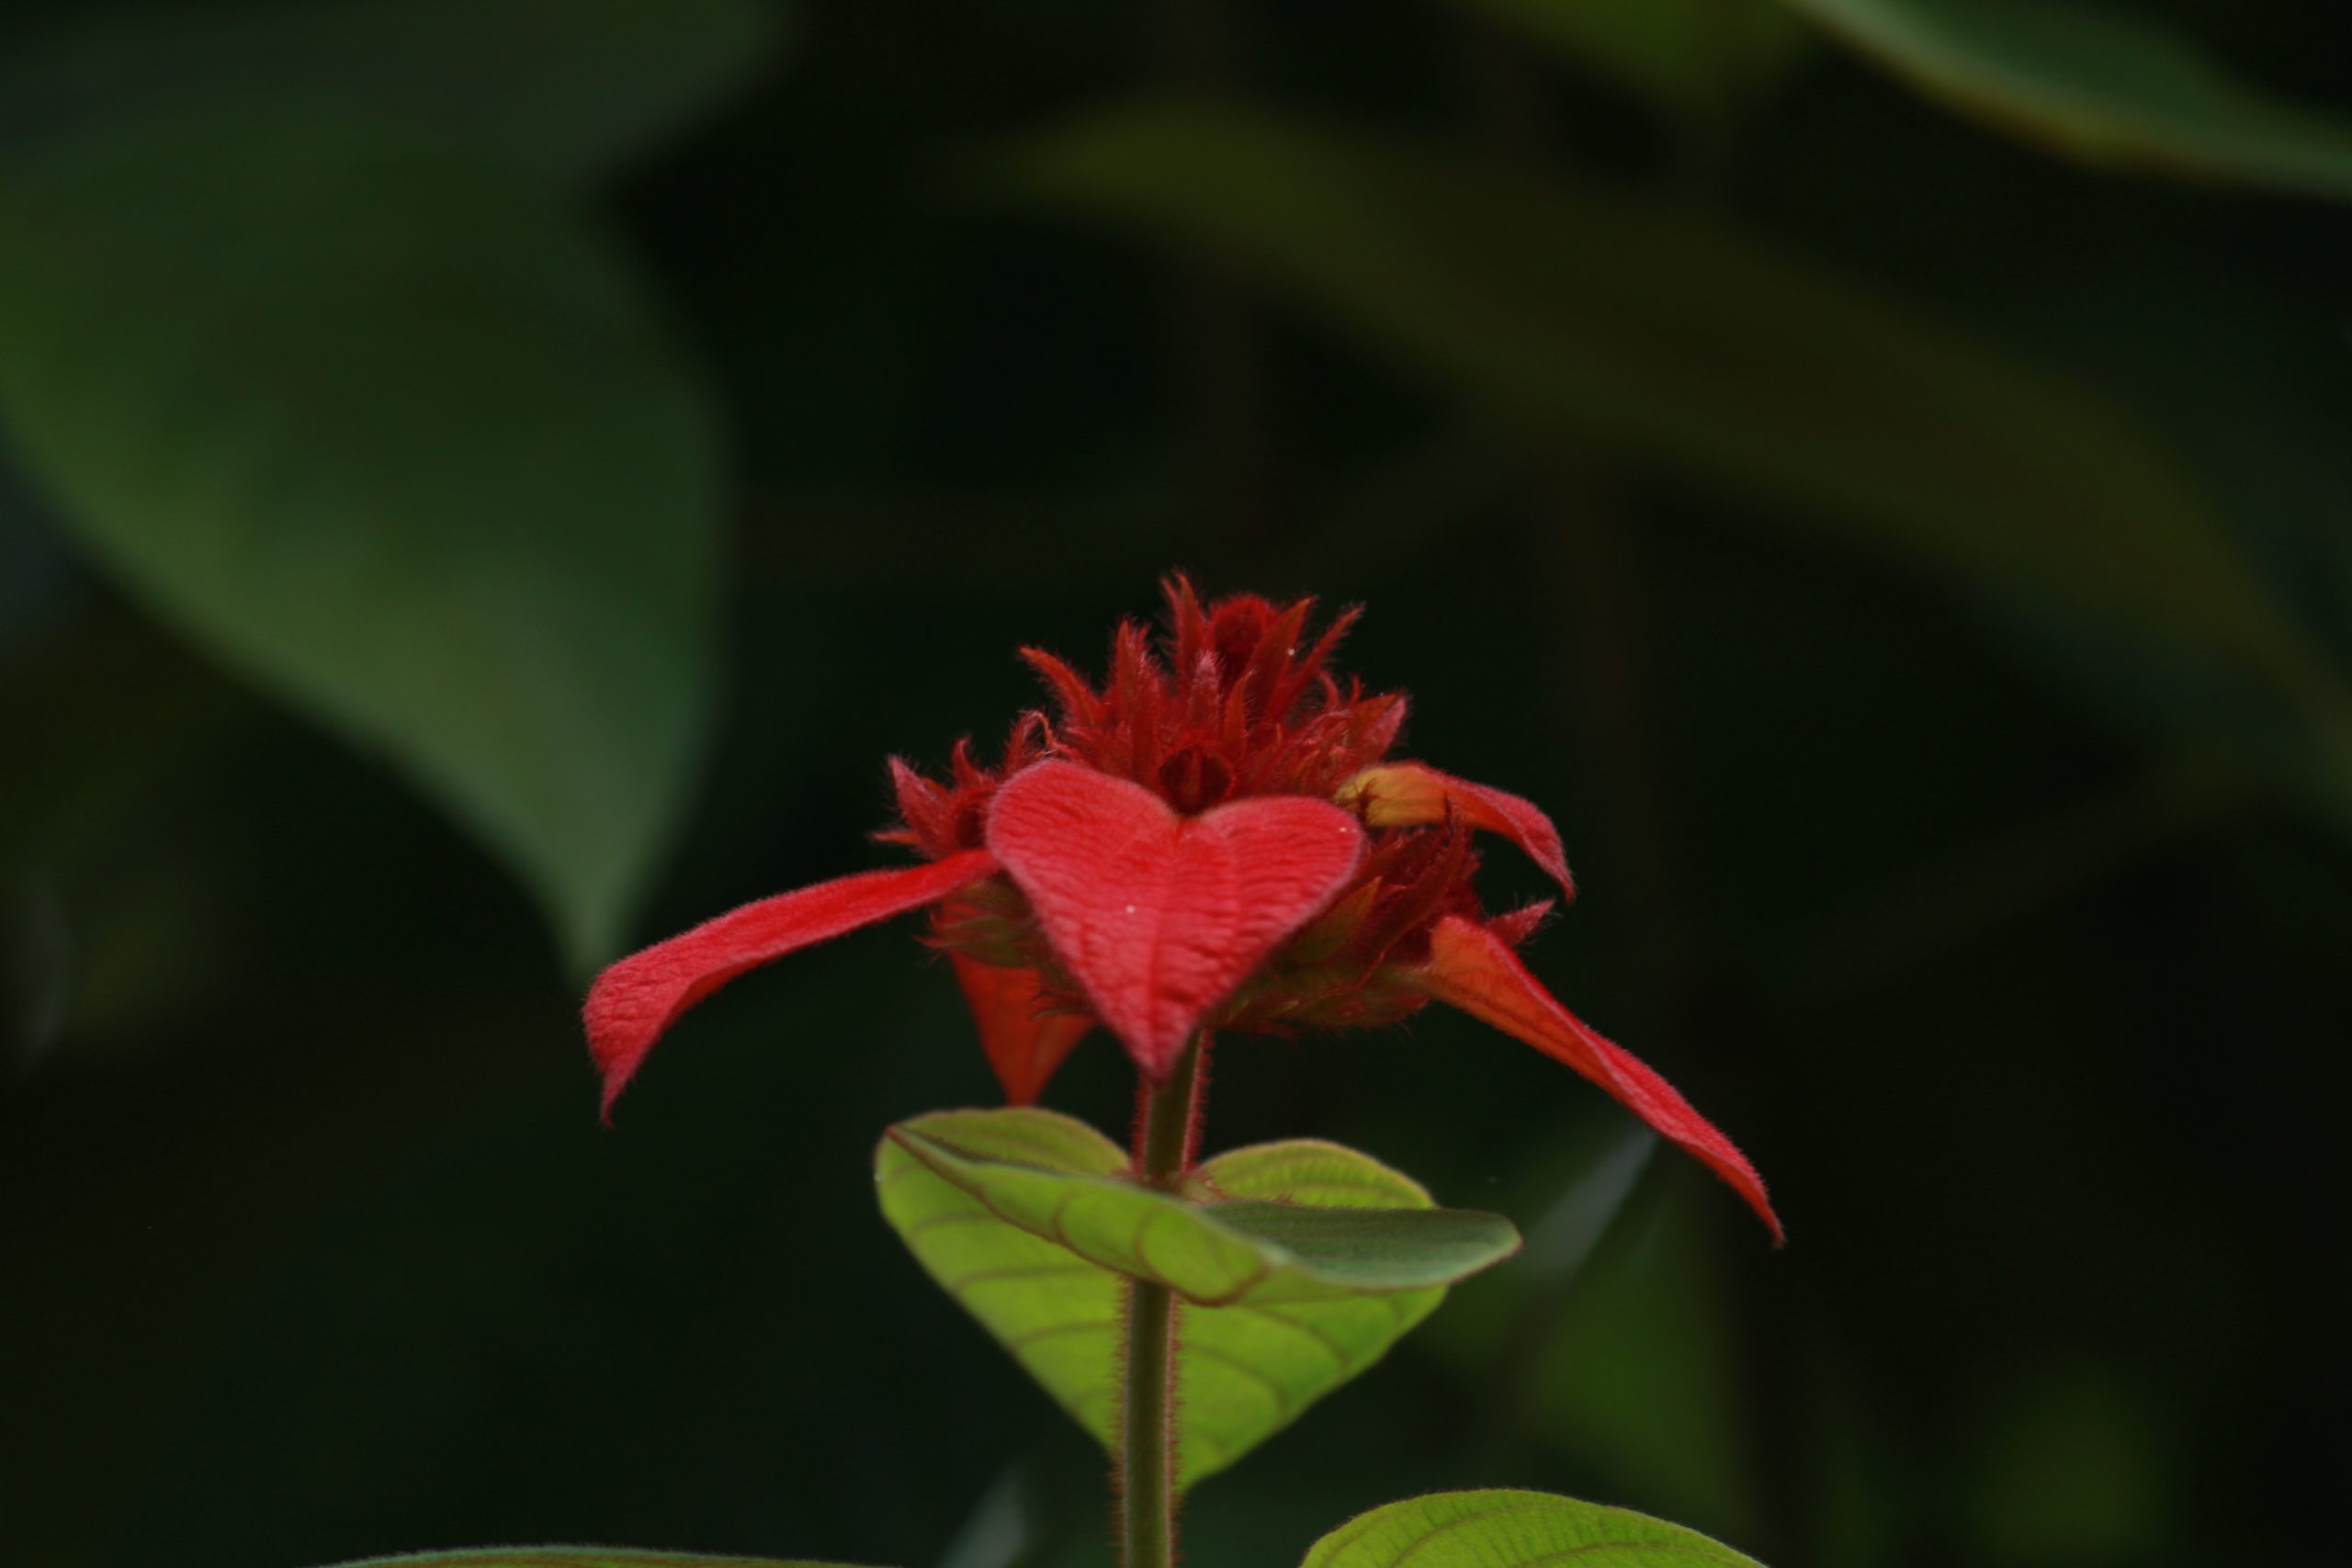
(1214,838)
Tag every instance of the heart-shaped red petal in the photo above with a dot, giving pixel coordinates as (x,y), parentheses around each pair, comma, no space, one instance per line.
(1157,917)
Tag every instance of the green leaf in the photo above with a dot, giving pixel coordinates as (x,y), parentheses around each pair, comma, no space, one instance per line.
(1514,1529)
(570,1556)
(557,87)
(1222,1246)
(1685,56)
(403,441)
(1715,357)
(2103,84)
(1245,1371)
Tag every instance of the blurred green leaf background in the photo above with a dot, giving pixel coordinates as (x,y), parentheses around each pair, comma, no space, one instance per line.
(483,485)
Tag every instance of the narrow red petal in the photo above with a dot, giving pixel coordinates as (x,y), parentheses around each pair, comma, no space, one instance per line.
(1025,1043)
(638,998)
(1470,968)
(1513,927)
(1409,794)
(1160,917)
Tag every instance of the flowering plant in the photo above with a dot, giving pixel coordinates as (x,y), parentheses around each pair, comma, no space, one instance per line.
(1215,841)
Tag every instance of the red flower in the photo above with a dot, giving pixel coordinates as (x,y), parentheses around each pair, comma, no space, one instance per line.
(1215,841)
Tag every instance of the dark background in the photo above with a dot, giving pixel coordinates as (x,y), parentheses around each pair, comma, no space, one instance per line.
(2004,922)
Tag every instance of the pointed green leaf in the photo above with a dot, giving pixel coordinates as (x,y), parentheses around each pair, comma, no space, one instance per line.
(561,89)
(2102,83)
(404,442)
(1223,1248)
(1676,341)
(1514,1529)
(1244,1371)
(570,1556)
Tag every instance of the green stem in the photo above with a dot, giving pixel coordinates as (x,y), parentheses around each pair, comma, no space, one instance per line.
(1164,1126)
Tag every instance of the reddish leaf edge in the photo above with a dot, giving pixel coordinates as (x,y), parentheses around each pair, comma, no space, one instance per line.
(936,1152)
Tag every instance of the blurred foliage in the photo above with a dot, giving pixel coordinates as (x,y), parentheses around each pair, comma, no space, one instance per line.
(570,1556)
(452,407)
(1697,60)
(563,92)
(1905,548)
(2105,85)
(1655,338)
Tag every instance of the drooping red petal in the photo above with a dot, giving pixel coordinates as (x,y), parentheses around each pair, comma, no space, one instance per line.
(1025,1043)
(1470,968)
(638,998)
(1157,917)
(1409,795)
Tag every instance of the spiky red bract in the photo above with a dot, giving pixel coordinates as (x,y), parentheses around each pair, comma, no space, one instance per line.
(638,998)
(1412,795)
(1024,1037)
(1470,967)
(1242,705)
(1236,701)
(1160,917)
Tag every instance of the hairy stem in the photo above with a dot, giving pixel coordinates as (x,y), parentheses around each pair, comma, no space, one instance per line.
(1165,1124)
